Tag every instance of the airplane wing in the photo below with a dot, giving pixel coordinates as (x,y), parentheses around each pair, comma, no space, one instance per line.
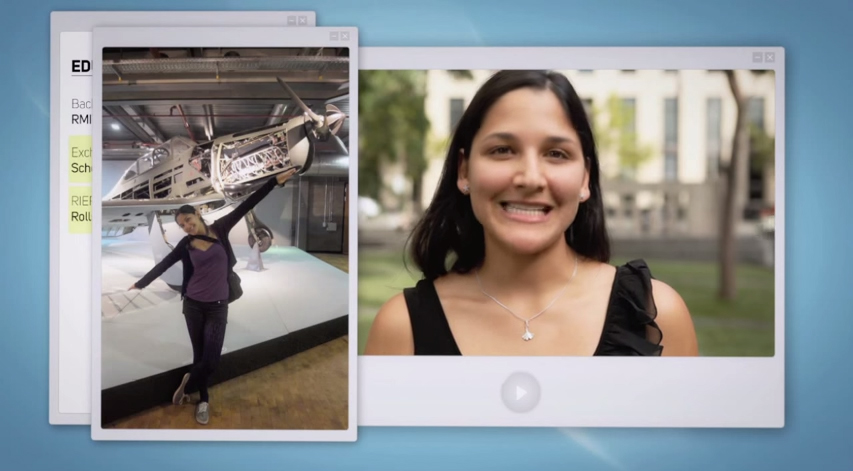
(118,214)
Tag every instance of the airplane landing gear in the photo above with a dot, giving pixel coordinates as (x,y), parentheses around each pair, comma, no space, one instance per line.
(258,232)
(266,239)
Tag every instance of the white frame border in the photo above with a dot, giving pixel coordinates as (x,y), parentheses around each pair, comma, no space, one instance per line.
(83,22)
(221,37)
(590,392)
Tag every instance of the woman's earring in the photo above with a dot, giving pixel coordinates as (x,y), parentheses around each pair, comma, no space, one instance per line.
(582,196)
(466,189)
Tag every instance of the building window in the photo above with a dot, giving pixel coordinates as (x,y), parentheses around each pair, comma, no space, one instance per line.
(629,107)
(457,107)
(714,117)
(755,112)
(755,118)
(587,107)
(629,114)
(628,205)
(670,146)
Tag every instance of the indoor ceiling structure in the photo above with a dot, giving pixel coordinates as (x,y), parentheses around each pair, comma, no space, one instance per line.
(152,95)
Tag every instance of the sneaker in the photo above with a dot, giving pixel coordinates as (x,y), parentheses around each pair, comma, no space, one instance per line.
(179,397)
(202,414)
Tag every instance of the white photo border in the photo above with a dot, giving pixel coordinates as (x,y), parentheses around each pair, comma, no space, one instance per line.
(234,37)
(587,392)
(82,22)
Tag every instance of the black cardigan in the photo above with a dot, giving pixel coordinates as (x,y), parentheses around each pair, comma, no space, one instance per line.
(221,227)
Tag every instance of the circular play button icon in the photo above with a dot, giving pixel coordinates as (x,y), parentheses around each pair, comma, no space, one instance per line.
(520,392)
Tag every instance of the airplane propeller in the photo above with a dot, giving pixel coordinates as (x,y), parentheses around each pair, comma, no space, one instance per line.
(327,125)
(334,121)
(314,116)
(340,145)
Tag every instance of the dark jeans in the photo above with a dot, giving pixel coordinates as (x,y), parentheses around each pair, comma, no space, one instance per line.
(206,325)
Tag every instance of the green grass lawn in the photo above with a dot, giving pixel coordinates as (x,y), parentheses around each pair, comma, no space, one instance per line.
(743,327)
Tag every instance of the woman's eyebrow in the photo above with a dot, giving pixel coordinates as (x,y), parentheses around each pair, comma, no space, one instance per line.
(501,135)
(559,140)
(551,140)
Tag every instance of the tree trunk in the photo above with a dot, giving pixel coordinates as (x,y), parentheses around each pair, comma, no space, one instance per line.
(728,241)
(417,194)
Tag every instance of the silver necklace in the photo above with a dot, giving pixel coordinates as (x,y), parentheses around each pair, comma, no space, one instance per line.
(527,334)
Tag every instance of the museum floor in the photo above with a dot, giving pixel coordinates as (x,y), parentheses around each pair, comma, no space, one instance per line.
(307,391)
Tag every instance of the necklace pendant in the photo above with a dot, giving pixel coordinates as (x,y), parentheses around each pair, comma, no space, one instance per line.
(527,334)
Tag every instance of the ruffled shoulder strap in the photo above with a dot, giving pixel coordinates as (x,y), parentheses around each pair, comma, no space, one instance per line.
(630,328)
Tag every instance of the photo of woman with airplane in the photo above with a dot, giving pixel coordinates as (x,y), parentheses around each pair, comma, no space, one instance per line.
(208,263)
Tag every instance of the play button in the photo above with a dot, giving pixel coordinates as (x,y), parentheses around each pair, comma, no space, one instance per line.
(520,392)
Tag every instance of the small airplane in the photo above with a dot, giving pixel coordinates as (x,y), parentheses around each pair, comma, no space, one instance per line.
(215,175)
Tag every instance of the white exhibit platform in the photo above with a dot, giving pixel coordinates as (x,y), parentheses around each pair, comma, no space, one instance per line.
(144,333)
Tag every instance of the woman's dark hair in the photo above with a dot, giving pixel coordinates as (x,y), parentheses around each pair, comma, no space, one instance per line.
(187,209)
(449,227)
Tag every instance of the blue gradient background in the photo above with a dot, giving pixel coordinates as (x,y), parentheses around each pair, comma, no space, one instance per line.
(817,39)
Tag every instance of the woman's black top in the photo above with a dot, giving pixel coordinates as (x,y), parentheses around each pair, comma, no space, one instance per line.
(629,325)
(221,227)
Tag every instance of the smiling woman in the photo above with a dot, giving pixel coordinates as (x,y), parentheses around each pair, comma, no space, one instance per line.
(208,262)
(513,247)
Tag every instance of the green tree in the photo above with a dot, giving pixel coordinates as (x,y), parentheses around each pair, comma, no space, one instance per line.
(616,132)
(740,151)
(461,74)
(393,127)
(749,142)
(762,148)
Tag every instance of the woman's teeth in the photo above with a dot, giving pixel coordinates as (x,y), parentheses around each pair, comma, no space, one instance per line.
(529,210)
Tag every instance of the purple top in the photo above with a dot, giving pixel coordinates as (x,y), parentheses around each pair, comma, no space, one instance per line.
(210,274)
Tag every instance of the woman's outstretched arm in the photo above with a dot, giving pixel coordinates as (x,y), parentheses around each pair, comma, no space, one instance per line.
(231,219)
(164,265)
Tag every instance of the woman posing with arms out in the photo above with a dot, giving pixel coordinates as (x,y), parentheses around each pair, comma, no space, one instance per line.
(518,213)
(208,260)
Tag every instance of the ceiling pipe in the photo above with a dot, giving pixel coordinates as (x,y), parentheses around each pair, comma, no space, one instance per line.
(186,123)
(208,115)
(329,165)
(277,114)
(127,154)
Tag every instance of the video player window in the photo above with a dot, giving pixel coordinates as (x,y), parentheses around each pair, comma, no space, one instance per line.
(567,213)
